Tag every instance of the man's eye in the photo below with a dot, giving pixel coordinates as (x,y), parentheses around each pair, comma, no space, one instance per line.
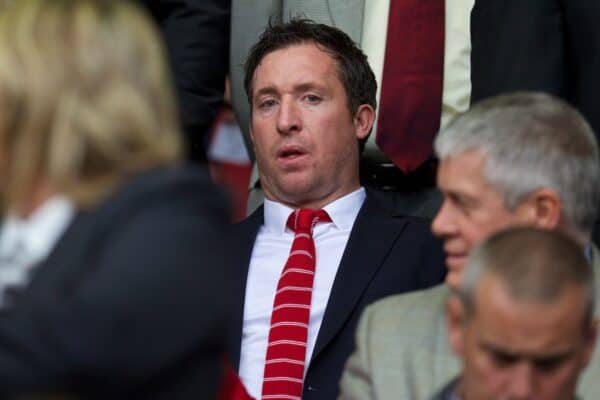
(459,203)
(466,205)
(266,104)
(312,99)
(503,360)
(549,365)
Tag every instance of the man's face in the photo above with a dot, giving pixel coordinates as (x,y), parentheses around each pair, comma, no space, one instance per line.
(472,210)
(304,136)
(516,350)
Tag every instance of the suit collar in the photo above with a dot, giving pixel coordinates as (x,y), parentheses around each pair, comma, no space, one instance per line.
(245,233)
(362,259)
(343,212)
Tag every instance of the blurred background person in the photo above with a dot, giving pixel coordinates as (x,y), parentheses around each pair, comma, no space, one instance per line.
(196,33)
(112,265)
(228,159)
(522,322)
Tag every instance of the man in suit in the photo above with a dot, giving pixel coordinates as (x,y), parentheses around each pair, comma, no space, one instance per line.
(112,261)
(517,159)
(522,322)
(312,99)
(196,33)
(367,23)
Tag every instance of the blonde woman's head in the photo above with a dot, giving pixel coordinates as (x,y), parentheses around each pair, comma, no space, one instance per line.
(85,98)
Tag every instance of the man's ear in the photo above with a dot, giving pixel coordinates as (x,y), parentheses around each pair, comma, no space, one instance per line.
(542,209)
(455,320)
(251,132)
(364,120)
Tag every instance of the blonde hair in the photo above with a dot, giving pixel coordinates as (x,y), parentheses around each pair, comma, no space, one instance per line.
(86,99)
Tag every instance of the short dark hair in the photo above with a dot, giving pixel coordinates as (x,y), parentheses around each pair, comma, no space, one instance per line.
(353,69)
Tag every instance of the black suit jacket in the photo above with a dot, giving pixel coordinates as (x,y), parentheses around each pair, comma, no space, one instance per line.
(385,255)
(197,37)
(546,45)
(129,304)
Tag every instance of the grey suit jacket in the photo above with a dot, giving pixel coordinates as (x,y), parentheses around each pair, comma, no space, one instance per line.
(402,351)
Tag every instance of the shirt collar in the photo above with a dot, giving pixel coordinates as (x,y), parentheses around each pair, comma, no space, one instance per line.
(39,232)
(342,212)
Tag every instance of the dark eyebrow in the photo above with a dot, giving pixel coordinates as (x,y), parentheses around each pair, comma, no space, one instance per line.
(265,90)
(497,350)
(551,358)
(302,87)
(542,359)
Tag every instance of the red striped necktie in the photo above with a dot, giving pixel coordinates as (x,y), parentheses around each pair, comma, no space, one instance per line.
(286,351)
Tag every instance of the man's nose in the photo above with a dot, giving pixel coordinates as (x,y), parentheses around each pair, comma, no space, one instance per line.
(288,117)
(443,223)
(522,382)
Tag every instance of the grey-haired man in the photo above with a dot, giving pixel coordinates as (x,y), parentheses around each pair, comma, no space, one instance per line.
(516,159)
(522,321)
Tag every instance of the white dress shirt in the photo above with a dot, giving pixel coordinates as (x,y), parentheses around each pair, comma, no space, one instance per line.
(269,255)
(456,92)
(25,242)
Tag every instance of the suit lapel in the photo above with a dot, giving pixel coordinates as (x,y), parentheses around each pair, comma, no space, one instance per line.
(362,259)
(245,233)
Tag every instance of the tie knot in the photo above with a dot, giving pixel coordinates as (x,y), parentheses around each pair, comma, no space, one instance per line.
(305,219)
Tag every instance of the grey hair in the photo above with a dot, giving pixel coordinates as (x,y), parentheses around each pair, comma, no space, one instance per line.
(533,265)
(531,141)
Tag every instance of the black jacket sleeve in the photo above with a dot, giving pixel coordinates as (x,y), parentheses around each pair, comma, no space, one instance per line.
(197,38)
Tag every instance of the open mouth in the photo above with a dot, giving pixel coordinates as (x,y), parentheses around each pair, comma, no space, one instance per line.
(290,153)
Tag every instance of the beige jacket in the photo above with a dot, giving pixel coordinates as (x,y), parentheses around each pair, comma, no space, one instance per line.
(402,351)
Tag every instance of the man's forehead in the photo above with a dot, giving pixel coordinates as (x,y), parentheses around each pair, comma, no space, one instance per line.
(306,54)
(462,171)
(295,58)
(473,159)
(527,326)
